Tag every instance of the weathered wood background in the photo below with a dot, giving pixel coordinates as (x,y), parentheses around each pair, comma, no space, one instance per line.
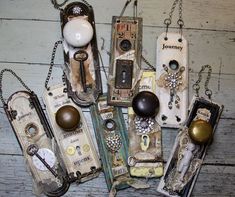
(28,30)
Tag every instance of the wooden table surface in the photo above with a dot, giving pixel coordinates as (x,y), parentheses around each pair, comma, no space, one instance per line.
(28,30)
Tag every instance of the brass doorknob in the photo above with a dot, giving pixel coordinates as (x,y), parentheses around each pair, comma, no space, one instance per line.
(68,118)
(200,131)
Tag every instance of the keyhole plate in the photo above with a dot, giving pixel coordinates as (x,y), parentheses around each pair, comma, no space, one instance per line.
(124,72)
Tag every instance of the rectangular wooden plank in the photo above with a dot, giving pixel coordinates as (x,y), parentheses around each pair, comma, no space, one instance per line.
(201,14)
(33,41)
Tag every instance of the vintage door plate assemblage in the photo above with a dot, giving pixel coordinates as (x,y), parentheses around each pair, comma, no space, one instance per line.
(70,129)
(80,52)
(72,134)
(36,141)
(145,148)
(112,139)
(172,74)
(124,71)
(172,79)
(191,144)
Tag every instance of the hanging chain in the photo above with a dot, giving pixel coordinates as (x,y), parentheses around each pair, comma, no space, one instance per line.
(16,76)
(124,8)
(196,86)
(84,1)
(135,8)
(180,21)
(59,5)
(148,63)
(52,63)
(102,65)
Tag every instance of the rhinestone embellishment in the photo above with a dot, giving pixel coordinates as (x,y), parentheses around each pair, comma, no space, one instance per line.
(173,81)
(144,125)
(77,10)
(113,143)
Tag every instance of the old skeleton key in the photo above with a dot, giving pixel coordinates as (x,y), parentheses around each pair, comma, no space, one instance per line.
(32,150)
(82,56)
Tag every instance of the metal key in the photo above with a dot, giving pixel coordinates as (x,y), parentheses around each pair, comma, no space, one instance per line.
(81,56)
(33,150)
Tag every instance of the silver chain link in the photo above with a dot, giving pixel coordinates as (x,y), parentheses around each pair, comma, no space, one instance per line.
(16,76)
(52,63)
(180,21)
(196,86)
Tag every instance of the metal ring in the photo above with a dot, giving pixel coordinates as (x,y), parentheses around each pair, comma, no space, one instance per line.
(208,93)
(112,123)
(167,21)
(180,22)
(131,161)
(31,130)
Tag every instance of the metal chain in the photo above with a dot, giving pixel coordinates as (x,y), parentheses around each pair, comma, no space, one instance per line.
(52,63)
(180,21)
(135,8)
(148,63)
(84,1)
(59,5)
(196,86)
(102,65)
(125,6)
(16,76)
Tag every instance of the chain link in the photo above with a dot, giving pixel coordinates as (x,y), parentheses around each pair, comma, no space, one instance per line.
(196,86)
(180,21)
(125,6)
(52,62)
(84,1)
(59,5)
(16,76)
(135,8)
(148,63)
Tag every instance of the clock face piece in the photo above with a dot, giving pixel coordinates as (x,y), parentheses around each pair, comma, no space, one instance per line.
(45,154)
